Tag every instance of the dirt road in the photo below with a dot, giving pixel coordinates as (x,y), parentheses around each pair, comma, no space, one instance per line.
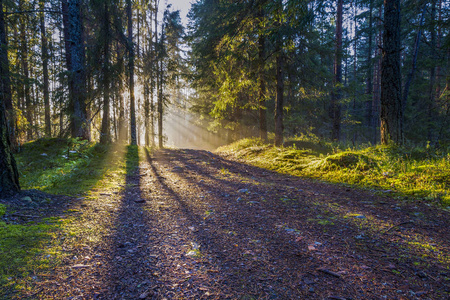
(194,225)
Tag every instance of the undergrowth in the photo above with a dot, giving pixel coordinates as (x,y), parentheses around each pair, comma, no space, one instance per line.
(61,167)
(418,173)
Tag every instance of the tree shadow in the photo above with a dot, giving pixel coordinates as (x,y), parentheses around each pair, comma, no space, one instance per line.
(292,220)
(126,274)
(226,244)
(34,217)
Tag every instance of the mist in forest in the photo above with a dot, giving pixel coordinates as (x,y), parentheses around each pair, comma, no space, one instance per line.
(182,131)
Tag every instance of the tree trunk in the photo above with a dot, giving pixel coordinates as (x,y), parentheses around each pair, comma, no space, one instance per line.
(431,104)
(78,74)
(336,94)
(44,47)
(262,83)
(391,104)
(25,71)
(9,176)
(279,126)
(105,135)
(121,124)
(377,81)
(160,102)
(131,74)
(369,82)
(5,80)
(410,77)
(438,47)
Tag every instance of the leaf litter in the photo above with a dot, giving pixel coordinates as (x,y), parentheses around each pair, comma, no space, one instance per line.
(167,247)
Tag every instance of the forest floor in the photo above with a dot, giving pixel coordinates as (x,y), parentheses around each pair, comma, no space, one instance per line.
(189,224)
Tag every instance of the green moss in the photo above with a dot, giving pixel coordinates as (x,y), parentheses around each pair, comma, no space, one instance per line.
(413,172)
(63,166)
(348,160)
(23,250)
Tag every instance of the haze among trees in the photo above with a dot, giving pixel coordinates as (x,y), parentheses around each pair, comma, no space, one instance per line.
(362,71)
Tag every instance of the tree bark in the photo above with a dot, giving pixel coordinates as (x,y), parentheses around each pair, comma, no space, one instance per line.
(336,94)
(78,74)
(5,80)
(279,126)
(105,135)
(262,83)
(131,74)
(410,77)
(9,176)
(25,72)
(432,91)
(438,47)
(44,49)
(160,101)
(391,104)
(369,82)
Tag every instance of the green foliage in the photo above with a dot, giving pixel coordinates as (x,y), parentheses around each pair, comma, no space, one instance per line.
(419,173)
(24,252)
(348,160)
(61,166)
(69,166)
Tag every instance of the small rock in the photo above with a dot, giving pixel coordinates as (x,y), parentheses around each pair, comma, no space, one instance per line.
(177,169)
(80,266)
(360,217)
(191,253)
(421,274)
(145,295)
(243,191)
(27,199)
(44,154)
(239,199)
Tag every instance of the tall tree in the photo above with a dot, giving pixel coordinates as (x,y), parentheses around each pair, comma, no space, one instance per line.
(45,58)
(105,135)
(9,176)
(279,125)
(26,93)
(262,80)
(391,106)
(5,79)
(131,74)
(78,73)
(336,94)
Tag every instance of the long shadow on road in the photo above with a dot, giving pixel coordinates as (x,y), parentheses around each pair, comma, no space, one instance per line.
(127,275)
(273,241)
(241,254)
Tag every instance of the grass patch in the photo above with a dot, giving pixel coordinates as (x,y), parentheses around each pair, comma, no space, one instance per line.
(64,167)
(25,251)
(420,173)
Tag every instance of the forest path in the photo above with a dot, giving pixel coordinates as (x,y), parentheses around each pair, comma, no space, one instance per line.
(191,224)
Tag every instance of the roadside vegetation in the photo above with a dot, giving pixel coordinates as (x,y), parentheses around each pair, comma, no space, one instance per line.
(35,225)
(408,172)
